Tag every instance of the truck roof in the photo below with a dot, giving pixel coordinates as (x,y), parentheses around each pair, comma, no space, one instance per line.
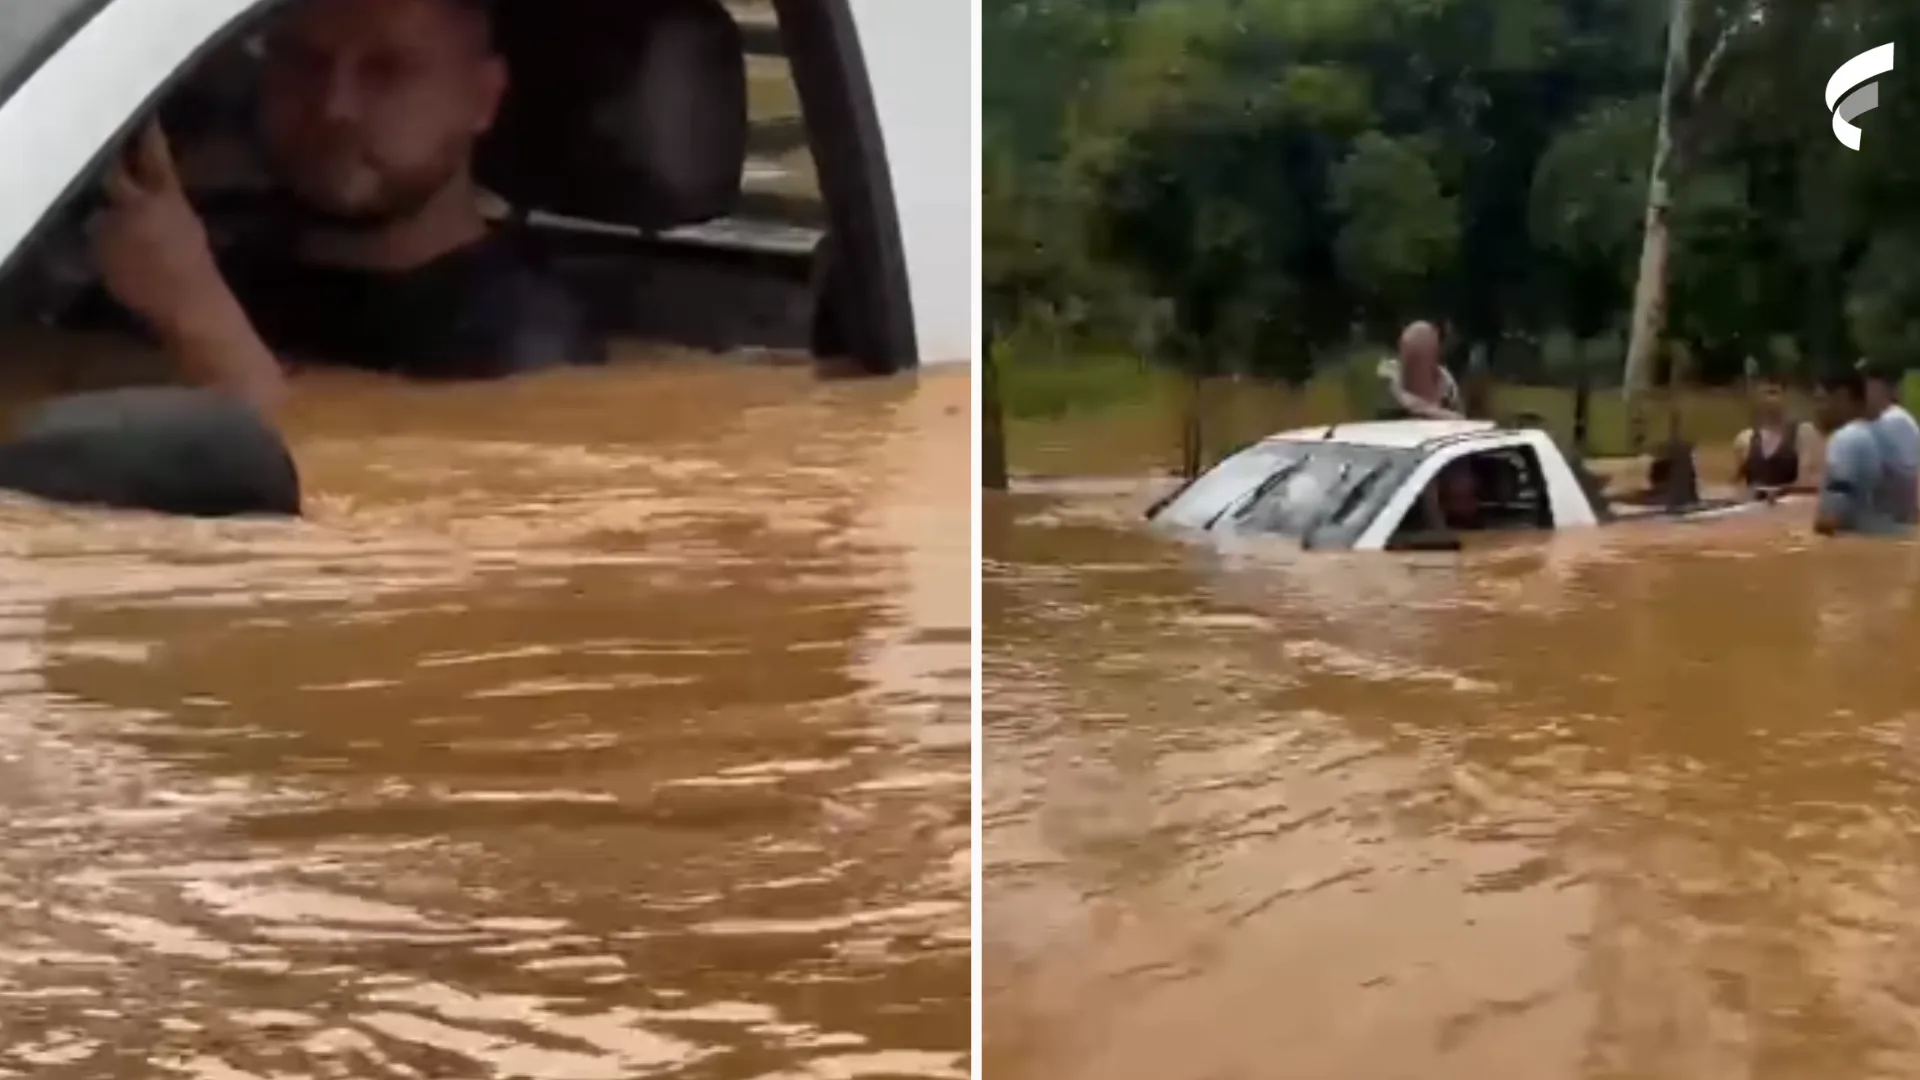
(1388,434)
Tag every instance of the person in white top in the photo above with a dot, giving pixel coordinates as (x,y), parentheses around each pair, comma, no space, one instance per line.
(1899,438)
(1418,385)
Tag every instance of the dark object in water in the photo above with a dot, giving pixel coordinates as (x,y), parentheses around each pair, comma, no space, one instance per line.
(1426,541)
(1673,479)
(1582,408)
(165,449)
(1673,474)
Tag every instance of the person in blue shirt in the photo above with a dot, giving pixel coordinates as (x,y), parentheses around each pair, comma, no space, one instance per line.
(1899,438)
(1852,492)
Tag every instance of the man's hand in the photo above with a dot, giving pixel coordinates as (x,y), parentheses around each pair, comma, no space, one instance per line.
(156,260)
(1424,409)
(152,249)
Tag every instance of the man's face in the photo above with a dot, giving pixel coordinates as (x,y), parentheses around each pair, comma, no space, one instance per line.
(1769,401)
(1459,495)
(1420,349)
(1833,409)
(1879,396)
(369,108)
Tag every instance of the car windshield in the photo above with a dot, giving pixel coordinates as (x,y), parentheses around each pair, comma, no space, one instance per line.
(24,27)
(1288,487)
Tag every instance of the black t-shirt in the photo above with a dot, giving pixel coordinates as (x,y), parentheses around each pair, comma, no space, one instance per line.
(478,312)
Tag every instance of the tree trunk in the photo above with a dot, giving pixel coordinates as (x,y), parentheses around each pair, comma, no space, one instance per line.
(1477,393)
(993,433)
(1582,411)
(1650,290)
(1192,434)
(1679,364)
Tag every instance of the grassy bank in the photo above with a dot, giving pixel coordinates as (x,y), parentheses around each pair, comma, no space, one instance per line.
(1114,414)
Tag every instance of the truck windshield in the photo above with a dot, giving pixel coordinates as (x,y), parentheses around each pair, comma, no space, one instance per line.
(1289,487)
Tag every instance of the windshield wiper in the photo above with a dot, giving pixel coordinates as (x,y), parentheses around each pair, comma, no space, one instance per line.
(1279,477)
(1348,502)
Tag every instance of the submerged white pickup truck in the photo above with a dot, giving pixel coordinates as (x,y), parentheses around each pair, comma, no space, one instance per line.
(1365,487)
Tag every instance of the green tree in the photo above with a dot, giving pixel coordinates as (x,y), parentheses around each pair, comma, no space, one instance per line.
(1280,171)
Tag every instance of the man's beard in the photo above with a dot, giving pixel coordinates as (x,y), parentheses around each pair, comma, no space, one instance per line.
(394,197)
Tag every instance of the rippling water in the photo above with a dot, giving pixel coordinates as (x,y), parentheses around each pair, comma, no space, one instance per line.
(607,725)
(1639,803)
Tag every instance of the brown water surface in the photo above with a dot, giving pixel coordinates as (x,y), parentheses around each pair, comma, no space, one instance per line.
(606,725)
(1638,803)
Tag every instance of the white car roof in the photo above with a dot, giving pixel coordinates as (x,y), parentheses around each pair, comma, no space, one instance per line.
(1387,434)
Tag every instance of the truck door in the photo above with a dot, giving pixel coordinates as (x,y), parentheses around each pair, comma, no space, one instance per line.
(1512,481)
(74,77)
(887,88)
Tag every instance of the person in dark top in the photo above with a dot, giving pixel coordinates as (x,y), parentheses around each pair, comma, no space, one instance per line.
(475,312)
(1450,503)
(369,115)
(1458,497)
(1778,453)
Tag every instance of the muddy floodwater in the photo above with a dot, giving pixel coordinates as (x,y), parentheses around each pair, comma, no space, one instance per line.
(1636,803)
(612,724)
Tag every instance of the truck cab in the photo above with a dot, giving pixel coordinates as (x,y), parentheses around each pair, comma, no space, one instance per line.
(780,175)
(1369,486)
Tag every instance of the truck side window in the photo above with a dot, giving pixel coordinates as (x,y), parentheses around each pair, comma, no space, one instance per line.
(1518,497)
(1500,489)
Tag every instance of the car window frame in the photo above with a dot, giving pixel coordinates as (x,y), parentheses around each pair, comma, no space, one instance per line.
(1534,469)
(1536,473)
(205,26)
(35,49)
(1531,471)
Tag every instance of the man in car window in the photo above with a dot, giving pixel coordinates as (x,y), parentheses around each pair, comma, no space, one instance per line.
(1450,503)
(1459,496)
(369,114)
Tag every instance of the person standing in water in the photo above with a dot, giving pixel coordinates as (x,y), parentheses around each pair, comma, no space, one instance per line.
(1856,472)
(1899,438)
(1779,452)
(1418,385)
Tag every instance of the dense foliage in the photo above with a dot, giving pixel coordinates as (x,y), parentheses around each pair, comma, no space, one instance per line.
(1250,184)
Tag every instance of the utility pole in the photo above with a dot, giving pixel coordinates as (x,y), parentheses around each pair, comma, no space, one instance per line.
(1650,291)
